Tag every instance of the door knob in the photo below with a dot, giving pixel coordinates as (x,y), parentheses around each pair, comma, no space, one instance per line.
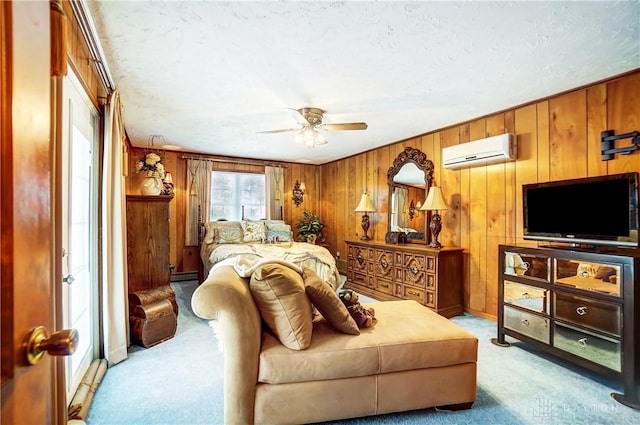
(62,343)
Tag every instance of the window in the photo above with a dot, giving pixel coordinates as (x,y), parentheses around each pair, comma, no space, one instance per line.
(236,196)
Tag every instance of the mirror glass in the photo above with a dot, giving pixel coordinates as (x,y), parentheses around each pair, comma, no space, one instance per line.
(409,179)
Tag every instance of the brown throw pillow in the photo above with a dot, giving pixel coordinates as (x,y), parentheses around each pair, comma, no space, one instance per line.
(324,298)
(284,306)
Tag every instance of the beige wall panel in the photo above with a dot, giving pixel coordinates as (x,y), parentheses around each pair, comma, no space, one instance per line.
(568,136)
(354,190)
(543,141)
(496,219)
(510,184)
(526,165)
(624,116)
(465,217)
(596,123)
(381,162)
(477,225)
(449,182)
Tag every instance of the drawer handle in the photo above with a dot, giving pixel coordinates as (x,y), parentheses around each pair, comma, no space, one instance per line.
(384,285)
(582,342)
(384,263)
(582,310)
(413,270)
(525,295)
(413,293)
(525,322)
(360,259)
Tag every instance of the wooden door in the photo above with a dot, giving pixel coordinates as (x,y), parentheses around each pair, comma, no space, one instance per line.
(29,394)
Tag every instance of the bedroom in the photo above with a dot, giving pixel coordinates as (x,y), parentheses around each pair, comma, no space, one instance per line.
(558,138)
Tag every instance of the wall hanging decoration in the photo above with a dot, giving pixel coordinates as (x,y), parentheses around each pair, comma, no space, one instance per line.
(298,193)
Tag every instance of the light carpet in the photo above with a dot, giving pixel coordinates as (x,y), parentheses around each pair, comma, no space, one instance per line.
(179,382)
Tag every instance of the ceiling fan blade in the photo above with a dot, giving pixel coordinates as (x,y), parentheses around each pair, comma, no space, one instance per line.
(284,130)
(345,126)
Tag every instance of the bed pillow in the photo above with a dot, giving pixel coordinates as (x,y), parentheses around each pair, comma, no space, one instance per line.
(254,231)
(325,299)
(279,235)
(210,233)
(283,304)
(229,232)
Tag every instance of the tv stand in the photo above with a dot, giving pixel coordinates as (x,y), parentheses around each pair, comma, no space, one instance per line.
(581,306)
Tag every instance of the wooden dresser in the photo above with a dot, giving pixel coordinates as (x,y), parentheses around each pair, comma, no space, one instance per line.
(148,241)
(433,277)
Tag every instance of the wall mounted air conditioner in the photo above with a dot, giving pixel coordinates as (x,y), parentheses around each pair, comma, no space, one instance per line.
(491,150)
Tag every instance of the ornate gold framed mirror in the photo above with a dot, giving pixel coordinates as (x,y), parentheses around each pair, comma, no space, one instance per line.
(409,180)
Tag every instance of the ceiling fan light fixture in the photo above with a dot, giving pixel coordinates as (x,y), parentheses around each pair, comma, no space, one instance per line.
(310,137)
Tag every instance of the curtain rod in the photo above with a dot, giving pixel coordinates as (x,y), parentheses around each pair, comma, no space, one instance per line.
(88,31)
(233,161)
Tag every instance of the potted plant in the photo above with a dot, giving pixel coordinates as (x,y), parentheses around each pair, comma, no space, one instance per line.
(310,227)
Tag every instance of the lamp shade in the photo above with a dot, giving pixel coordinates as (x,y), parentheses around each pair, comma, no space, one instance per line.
(168,178)
(365,204)
(434,201)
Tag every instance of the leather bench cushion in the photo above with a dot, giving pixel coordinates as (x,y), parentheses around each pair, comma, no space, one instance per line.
(406,336)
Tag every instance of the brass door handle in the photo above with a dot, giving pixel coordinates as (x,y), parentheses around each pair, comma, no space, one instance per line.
(62,343)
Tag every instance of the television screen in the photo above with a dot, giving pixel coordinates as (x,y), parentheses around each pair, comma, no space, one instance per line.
(599,210)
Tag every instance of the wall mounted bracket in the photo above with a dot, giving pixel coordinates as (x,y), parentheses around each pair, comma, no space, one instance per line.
(607,144)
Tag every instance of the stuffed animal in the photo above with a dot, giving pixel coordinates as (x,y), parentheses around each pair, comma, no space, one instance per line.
(364,317)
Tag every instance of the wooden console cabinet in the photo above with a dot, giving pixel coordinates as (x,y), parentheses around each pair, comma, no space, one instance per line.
(148,242)
(581,306)
(433,277)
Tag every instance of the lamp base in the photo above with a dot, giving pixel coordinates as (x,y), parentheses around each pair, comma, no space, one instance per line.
(436,227)
(365,228)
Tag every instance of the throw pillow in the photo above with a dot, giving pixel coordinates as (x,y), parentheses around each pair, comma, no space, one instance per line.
(279,235)
(254,231)
(229,232)
(605,273)
(283,304)
(328,303)
(210,233)
(278,225)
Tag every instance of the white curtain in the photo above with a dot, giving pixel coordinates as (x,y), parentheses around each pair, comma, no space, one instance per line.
(199,194)
(114,249)
(275,189)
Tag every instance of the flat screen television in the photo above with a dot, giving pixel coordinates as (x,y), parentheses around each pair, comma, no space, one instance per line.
(587,212)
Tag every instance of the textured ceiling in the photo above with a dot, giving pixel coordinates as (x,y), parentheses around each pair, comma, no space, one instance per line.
(208,76)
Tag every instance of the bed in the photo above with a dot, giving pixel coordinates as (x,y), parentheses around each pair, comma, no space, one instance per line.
(248,243)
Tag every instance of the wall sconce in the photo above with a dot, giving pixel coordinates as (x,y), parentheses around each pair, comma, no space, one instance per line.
(364,206)
(414,209)
(167,182)
(434,202)
(298,193)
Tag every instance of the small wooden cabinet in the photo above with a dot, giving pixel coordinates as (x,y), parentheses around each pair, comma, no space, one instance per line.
(433,277)
(581,306)
(148,242)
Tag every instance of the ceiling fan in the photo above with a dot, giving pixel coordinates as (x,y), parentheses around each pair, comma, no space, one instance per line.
(310,120)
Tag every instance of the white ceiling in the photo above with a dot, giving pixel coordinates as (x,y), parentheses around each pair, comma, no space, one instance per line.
(208,76)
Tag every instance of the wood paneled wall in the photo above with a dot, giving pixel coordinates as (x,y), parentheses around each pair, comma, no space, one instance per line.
(558,138)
